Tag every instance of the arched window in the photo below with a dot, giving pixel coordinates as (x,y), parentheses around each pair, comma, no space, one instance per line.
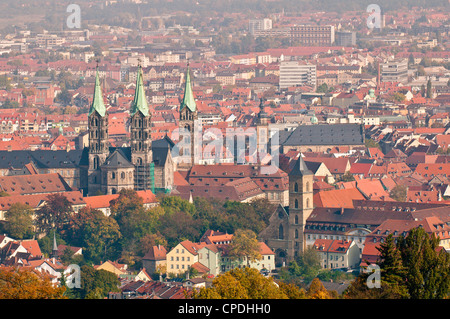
(307,186)
(296,203)
(122,175)
(296,233)
(280,232)
(113,175)
(113,191)
(296,219)
(307,203)
(296,187)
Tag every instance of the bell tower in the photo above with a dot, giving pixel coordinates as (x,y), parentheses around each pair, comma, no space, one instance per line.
(98,137)
(300,205)
(140,129)
(188,120)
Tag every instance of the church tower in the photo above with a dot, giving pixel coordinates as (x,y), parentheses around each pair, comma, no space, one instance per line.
(188,120)
(98,137)
(262,132)
(300,206)
(141,143)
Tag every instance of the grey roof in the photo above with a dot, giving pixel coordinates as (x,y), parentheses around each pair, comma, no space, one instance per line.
(300,168)
(326,134)
(117,160)
(41,158)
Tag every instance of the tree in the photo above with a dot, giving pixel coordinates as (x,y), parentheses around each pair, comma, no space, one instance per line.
(317,291)
(179,226)
(19,221)
(95,284)
(17,283)
(244,283)
(427,267)
(414,267)
(369,143)
(245,245)
(429,89)
(399,193)
(304,267)
(134,220)
(392,270)
(55,214)
(97,233)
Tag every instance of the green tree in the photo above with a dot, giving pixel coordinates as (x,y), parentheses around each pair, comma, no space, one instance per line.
(134,220)
(427,267)
(392,270)
(97,233)
(414,267)
(179,226)
(369,143)
(429,89)
(95,284)
(19,221)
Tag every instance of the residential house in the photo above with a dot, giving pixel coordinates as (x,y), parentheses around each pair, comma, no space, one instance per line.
(114,267)
(337,254)
(155,259)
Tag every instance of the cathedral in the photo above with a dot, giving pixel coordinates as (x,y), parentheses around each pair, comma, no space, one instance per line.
(285,233)
(145,164)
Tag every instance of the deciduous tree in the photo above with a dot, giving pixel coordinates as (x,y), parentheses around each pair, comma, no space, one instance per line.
(19,221)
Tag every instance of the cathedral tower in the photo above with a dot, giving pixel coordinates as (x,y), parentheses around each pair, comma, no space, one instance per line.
(98,137)
(141,143)
(188,120)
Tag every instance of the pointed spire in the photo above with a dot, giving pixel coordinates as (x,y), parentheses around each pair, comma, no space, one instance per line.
(140,101)
(188,99)
(55,246)
(97,102)
(300,168)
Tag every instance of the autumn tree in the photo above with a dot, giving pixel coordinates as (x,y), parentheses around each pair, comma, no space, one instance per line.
(19,221)
(244,283)
(54,214)
(245,245)
(17,283)
(316,290)
(399,193)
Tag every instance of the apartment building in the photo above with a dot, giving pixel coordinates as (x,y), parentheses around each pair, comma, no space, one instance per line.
(395,71)
(255,25)
(313,35)
(297,73)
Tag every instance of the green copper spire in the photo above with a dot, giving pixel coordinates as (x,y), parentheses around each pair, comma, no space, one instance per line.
(188,99)
(140,101)
(97,103)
